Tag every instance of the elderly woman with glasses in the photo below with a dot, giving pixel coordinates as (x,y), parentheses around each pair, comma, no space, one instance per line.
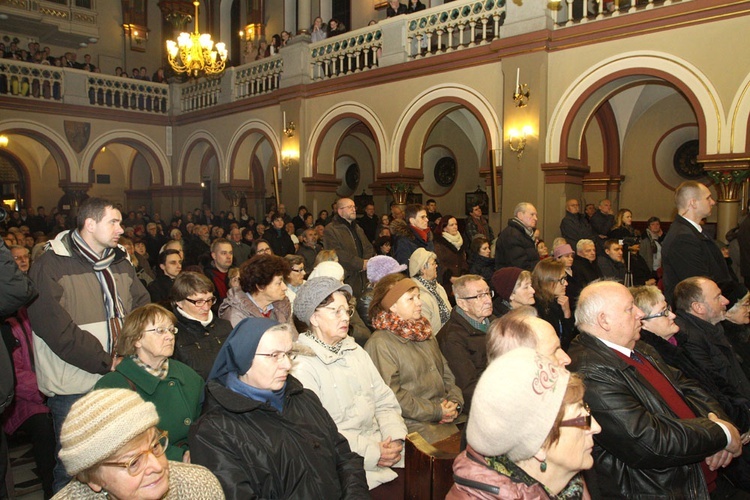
(436,307)
(147,342)
(526,439)
(113,449)
(343,376)
(262,433)
(549,281)
(201,332)
(407,355)
(660,331)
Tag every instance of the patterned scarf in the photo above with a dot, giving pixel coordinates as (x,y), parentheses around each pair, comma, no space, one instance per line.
(113,306)
(528,230)
(504,466)
(335,348)
(431,286)
(417,330)
(158,372)
(457,240)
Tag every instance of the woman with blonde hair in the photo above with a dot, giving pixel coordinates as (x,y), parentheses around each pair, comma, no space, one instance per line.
(550,281)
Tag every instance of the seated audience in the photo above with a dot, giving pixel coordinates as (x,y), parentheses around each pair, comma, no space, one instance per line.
(343,376)
(611,264)
(377,268)
(405,352)
(736,321)
(170,266)
(113,449)
(584,268)
(480,258)
(201,331)
(451,254)
(526,439)
(549,282)
(296,275)
(262,433)
(147,341)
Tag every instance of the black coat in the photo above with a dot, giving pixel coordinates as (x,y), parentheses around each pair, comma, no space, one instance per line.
(515,248)
(644,448)
(159,289)
(279,240)
(686,252)
(196,345)
(552,313)
(257,452)
(574,227)
(484,267)
(584,272)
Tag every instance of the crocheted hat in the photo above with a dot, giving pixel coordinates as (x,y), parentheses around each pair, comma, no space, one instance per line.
(381,266)
(312,293)
(419,258)
(100,423)
(514,419)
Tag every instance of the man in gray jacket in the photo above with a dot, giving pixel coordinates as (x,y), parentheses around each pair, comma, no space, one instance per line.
(351,244)
(86,287)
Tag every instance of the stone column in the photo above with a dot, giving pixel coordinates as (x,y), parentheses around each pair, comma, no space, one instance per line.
(303,17)
(728,178)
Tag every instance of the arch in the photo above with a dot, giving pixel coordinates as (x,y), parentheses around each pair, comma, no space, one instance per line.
(249,128)
(57,145)
(23,172)
(462,95)
(196,138)
(595,85)
(739,127)
(150,150)
(333,123)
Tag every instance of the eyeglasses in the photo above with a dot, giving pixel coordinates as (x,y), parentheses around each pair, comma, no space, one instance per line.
(138,463)
(279,355)
(584,421)
(663,314)
(348,207)
(480,296)
(298,270)
(163,330)
(341,312)
(562,280)
(265,251)
(202,302)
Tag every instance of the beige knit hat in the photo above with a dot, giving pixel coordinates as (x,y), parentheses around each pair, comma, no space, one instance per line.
(100,423)
(418,260)
(515,404)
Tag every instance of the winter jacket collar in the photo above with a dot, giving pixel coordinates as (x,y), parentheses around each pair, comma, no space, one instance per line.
(326,356)
(236,403)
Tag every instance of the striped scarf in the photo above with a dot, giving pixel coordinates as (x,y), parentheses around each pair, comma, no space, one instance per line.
(431,286)
(112,304)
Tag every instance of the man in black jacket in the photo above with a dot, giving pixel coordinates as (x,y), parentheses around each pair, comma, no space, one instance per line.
(515,245)
(574,226)
(662,436)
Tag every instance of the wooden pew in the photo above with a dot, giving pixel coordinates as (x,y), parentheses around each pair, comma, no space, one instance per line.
(429,467)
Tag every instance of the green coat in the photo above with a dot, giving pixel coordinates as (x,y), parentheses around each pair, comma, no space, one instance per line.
(177,398)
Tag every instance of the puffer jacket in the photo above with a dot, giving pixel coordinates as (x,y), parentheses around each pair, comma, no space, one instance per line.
(257,452)
(72,342)
(515,248)
(237,306)
(196,345)
(644,449)
(352,391)
(405,241)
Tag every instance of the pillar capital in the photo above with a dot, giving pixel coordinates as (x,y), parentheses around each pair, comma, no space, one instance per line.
(728,173)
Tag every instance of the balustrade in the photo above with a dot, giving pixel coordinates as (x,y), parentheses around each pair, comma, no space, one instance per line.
(200,95)
(345,54)
(32,81)
(258,78)
(130,94)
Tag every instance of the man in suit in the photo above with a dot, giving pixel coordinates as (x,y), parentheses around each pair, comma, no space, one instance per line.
(687,251)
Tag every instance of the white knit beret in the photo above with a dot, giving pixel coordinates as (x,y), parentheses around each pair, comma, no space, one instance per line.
(418,260)
(515,404)
(100,423)
(328,268)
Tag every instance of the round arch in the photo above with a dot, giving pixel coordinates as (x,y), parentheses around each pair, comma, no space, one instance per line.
(251,127)
(454,94)
(739,128)
(594,86)
(151,151)
(64,156)
(334,122)
(195,139)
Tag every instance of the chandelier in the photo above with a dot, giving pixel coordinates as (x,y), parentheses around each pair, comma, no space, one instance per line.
(194,53)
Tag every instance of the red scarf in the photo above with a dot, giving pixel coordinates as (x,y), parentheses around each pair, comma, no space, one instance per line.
(417,330)
(421,233)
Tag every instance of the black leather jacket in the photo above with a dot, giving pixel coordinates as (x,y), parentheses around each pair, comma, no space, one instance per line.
(644,449)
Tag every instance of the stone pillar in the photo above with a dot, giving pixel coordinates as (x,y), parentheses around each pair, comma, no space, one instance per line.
(234,194)
(728,178)
(303,17)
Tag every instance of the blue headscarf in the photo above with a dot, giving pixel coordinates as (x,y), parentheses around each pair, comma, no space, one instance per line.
(236,357)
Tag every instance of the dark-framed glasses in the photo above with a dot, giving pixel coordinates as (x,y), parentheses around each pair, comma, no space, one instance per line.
(138,462)
(163,330)
(584,421)
(480,296)
(279,355)
(202,302)
(663,314)
(561,280)
(298,270)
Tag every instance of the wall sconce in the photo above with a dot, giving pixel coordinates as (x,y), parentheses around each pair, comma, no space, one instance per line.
(288,156)
(3,141)
(521,92)
(517,141)
(288,127)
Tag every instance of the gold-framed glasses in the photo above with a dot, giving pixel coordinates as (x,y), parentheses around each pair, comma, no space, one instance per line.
(137,463)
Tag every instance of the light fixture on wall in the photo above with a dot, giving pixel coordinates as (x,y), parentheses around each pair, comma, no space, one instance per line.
(3,141)
(288,127)
(521,92)
(194,53)
(288,157)
(517,140)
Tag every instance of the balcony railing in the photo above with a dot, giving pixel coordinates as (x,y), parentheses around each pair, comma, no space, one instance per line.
(258,78)
(346,54)
(123,93)
(31,81)
(200,95)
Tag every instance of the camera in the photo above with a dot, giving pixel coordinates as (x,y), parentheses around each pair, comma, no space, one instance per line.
(3,214)
(629,241)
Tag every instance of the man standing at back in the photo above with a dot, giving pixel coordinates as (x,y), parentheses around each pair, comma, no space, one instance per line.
(687,251)
(574,226)
(86,287)
(351,244)
(515,245)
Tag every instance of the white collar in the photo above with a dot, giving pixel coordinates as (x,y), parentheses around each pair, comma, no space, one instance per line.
(623,350)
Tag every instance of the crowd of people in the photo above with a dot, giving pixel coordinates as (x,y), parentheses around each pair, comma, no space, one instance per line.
(290,356)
